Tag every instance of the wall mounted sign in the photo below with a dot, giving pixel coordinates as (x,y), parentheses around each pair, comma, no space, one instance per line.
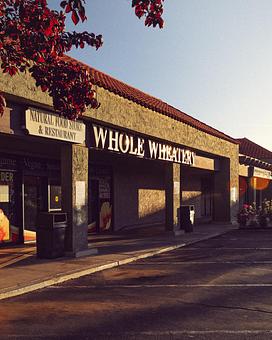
(48,125)
(107,139)
(261,173)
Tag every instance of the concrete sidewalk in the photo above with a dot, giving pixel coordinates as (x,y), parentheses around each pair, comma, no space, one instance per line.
(23,272)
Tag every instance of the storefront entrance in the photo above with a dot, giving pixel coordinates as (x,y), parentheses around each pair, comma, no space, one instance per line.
(100,199)
(33,201)
(27,186)
(206,199)
(40,194)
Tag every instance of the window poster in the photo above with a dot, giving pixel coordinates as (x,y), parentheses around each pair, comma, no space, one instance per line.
(9,232)
(4,227)
(105,215)
(100,198)
(4,193)
(55,197)
(105,203)
(104,188)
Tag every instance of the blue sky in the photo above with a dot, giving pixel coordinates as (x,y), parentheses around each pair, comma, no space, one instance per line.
(213,59)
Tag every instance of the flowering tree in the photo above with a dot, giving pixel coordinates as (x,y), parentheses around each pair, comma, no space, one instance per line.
(33,38)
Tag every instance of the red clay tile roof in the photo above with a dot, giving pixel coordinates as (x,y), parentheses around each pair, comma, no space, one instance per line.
(116,86)
(249,148)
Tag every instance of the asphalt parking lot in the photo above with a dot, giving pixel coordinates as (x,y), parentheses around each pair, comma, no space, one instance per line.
(215,289)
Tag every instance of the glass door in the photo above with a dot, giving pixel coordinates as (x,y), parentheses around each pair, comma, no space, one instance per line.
(93,213)
(206,198)
(100,206)
(33,203)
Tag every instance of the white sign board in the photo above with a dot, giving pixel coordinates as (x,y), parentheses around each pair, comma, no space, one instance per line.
(233,194)
(176,188)
(48,125)
(80,193)
(261,173)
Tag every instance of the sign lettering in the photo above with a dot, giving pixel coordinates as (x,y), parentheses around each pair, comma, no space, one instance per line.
(261,173)
(121,142)
(48,125)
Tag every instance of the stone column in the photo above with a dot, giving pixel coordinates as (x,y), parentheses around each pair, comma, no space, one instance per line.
(74,183)
(172,196)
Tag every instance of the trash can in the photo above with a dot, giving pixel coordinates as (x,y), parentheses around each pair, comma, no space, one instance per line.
(187,217)
(51,235)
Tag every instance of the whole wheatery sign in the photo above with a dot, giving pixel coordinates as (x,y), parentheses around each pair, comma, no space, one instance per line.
(121,142)
(48,125)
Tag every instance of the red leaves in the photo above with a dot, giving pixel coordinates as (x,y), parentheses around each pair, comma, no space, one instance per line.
(32,33)
(75,17)
(80,39)
(69,84)
(68,8)
(82,14)
(44,88)
(77,9)
(151,9)
(11,70)
(40,59)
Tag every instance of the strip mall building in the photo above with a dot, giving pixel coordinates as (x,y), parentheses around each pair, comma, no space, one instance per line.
(132,162)
(255,173)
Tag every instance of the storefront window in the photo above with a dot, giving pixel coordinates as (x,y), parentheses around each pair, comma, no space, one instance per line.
(32,206)
(100,199)
(27,186)
(9,232)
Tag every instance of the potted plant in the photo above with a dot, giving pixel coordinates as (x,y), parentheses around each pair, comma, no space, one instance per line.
(243,216)
(252,215)
(270,211)
(263,215)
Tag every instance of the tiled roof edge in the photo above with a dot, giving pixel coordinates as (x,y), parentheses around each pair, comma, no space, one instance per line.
(107,82)
(246,146)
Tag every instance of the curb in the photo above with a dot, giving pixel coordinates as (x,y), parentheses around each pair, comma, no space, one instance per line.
(84,272)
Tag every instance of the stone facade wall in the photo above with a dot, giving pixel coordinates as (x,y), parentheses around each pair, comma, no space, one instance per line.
(23,86)
(243,170)
(139,193)
(121,112)
(124,113)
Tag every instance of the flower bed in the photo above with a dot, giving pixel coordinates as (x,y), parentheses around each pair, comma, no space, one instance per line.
(250,216)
